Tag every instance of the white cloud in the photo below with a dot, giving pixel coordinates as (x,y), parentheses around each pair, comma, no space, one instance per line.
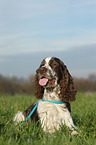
(25,37)
(25,43)
(20,9)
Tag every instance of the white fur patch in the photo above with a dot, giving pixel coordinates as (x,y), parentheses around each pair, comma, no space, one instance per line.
(50,70)
(53,115)
(47,63)
(74,132)
(47,60)
(19,117)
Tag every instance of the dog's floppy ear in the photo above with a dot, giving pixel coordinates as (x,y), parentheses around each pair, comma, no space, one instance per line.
(67,86)
(39,90)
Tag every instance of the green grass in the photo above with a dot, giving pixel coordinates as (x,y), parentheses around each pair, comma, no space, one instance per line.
(83,114)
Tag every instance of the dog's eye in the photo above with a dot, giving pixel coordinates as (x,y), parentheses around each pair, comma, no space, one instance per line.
(42,65)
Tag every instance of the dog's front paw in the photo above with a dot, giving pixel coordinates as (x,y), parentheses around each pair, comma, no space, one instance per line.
(19,117)
(74,132)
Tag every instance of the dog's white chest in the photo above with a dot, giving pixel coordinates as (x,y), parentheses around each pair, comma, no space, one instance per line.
(51,115)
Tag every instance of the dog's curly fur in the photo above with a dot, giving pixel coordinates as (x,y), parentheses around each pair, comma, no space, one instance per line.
(66,82)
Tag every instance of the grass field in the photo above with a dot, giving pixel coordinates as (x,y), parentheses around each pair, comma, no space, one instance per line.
(83,114)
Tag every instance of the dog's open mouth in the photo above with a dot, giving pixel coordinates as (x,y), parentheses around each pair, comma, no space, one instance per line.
(45,81)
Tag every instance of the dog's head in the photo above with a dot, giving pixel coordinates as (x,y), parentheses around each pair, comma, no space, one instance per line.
(53,72)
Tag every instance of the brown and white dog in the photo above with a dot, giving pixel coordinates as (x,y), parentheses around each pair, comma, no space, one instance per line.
(53,82)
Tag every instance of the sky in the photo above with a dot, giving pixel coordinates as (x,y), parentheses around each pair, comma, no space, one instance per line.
(34,29)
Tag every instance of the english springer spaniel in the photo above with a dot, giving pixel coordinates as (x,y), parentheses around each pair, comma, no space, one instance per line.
(55,88)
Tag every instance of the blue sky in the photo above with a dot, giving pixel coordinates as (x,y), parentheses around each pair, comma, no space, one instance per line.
(35,29)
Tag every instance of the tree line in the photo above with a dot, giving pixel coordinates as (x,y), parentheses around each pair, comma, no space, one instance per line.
(14,85)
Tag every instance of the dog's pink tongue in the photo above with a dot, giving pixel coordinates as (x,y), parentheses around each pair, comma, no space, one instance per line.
(43,81)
